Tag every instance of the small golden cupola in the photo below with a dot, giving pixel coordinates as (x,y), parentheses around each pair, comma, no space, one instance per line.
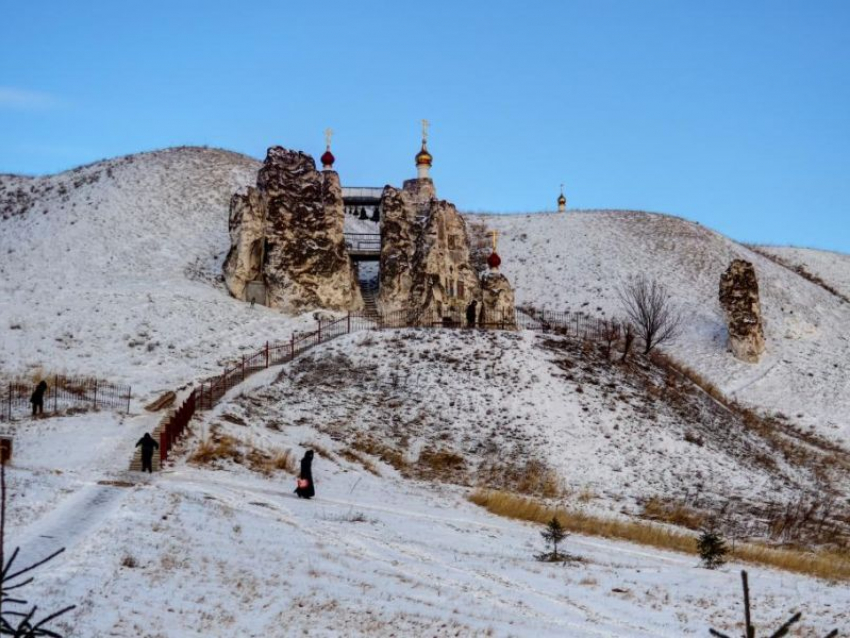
(562,201)
(424,160)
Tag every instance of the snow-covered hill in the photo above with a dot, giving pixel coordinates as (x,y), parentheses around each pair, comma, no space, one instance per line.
(576,261)
(113,270)
(833,268)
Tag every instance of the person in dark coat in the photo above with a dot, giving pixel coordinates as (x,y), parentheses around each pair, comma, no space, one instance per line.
(470,314)
(37,398)
(306,474)
(148,446)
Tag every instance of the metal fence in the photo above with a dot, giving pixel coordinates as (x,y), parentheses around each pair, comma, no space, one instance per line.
(63,393)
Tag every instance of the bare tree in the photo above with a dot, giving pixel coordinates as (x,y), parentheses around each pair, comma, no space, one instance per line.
(628,340)
(609,334)
(648,306)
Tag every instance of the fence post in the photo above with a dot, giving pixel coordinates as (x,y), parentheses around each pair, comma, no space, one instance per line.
(320,331)
(94,400)
(292,346)
(55,395)
(348,323)
(243,367)
(9,402)
(129,394)
(267,354)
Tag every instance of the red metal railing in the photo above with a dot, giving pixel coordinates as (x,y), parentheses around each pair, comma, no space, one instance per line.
(176,426)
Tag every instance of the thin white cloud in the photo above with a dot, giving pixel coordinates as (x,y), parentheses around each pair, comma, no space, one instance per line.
(24,99)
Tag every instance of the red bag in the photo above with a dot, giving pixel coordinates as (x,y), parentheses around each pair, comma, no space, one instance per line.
(302,484)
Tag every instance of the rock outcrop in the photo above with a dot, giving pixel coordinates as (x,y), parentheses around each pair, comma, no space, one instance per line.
(287,234)
(497,298)
(425,262)
(739,297)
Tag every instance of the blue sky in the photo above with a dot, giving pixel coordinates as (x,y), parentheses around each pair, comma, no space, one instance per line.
(735,114)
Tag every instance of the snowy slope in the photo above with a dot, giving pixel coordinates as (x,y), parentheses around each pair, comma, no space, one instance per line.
(113,270)
(833,268)
(226,551)
(502,400)
(576,260)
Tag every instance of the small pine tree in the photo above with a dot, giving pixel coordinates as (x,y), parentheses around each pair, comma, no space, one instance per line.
(553,534)
(712,549)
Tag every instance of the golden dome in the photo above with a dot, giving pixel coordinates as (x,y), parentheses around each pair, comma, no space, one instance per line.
(423,156)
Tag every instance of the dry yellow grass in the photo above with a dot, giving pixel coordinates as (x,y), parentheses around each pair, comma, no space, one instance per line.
(829,565)
(530,477)
(284,460)
(674,513)
(392,457)
(216,448)
(356,457)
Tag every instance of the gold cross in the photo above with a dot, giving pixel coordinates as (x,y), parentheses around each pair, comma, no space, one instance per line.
(425,125)
(495,235)
(329,132)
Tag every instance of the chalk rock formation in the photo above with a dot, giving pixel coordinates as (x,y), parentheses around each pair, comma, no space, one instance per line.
(497,298)
(247,233)
(425,261)
(288,233)
(739,296)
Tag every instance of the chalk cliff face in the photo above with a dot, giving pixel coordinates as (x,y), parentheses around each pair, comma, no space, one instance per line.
(288,233)
(425,259)
(739,296)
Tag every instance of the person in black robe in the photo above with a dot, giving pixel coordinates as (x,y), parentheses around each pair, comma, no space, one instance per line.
(148,446)
(470,314)
(306,474)
(37,398)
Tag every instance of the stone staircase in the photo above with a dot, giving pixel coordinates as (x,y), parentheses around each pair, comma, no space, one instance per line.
(369,291)
(136,462)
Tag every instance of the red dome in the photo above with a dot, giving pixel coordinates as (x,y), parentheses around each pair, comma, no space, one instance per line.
(494,261)
(328,159)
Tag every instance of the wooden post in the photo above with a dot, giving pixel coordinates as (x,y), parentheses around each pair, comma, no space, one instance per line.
(348,323)
(320,331)
(94,400)
(243,367)
(751,631)
(55,395)
(129,394)
(267,354)
(292,345)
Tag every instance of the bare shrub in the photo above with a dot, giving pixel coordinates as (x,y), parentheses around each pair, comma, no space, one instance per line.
(649,308)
